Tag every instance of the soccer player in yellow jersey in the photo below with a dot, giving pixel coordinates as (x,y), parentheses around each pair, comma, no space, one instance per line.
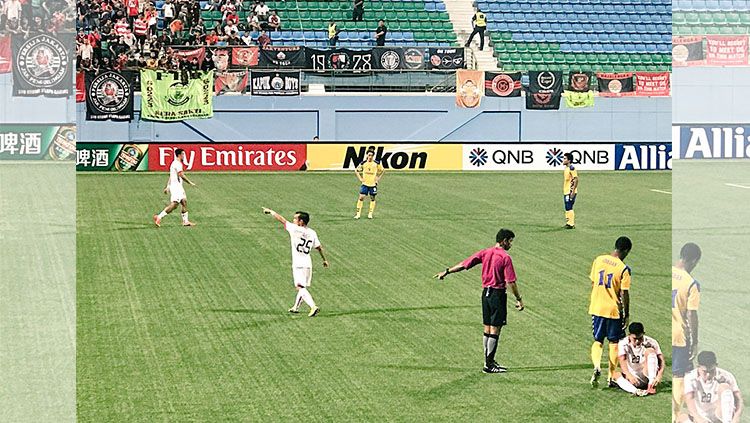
(570,190)
(686,297)
(369,173)
(610,305)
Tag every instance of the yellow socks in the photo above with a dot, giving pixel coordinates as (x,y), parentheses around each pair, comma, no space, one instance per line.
(596,354)
(359,206)
(372,206)
(678,385)
(612,358)
(570,217)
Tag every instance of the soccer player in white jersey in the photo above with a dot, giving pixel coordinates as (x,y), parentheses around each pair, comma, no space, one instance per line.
(641,362)
(303,241)
(711,393)
(176,190)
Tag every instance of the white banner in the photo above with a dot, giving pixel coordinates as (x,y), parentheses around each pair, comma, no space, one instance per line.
(537,156)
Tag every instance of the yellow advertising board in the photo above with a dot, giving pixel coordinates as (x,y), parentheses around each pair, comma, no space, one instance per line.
(391,156)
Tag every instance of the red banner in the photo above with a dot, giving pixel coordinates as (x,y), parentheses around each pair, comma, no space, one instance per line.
(80,87)
(729,50)
(189,55)
(230,157)
(245,56)
(652,84)
(6,56)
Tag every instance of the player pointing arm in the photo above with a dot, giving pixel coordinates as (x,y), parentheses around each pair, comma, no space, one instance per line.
(460,266)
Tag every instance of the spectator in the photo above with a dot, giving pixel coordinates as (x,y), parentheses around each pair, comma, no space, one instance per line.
(274,22)
(122,27)
(13,9)
(247,38)
(140,28)
(264,40)
(132,10)
(86,51)
(253,22)
(333,34)
(168,10)
(176,26)
(358,12)
(262,11)
(479,20)
(212,38)
(380,34)
(213,5)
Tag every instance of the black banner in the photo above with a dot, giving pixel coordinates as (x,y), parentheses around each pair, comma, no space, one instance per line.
(414,58)
(615,84)
(230,82)
(388,58)
(289,57)
(579,81)
(447,58)
(687,50)
(109,96)
(545,90)
(339,59)
(498,84)
(275,83)
(43,66)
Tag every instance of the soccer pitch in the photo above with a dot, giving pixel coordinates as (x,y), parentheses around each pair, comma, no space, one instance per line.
(710,209)
(191,324)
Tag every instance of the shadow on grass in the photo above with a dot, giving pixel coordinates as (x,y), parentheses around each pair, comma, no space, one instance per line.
(325,314)
(563,367)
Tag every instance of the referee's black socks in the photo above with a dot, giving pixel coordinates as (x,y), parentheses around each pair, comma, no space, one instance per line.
(491,341)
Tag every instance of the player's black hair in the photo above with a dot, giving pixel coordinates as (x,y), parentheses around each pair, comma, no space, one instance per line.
(504,234)
(304,217)
(636,328)
(690,252)
(370,149)
(178,152)
(707,358)
(569,156)
(623,244)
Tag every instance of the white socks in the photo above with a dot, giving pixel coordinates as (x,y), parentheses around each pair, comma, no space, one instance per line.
(305,294)
(652,366)
(185,217)
(727,406)
(625,385)
(162,214)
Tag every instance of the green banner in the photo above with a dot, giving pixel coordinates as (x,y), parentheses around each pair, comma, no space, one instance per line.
(37,142)
(117,157)
(574,99)
(174,96)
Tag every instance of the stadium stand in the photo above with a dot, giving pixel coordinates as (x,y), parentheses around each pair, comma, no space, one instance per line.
(711,17)
(596,35)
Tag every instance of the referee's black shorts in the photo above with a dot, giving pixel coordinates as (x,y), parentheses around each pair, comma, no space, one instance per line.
(494,306)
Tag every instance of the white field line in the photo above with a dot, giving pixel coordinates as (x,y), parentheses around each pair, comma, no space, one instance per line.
(738,186)
(661,192)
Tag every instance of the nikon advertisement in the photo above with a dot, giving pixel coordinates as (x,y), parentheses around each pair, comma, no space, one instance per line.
(37,142)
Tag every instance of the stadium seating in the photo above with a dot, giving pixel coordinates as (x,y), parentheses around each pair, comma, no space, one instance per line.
(410,22)
(597,35)
(711,17)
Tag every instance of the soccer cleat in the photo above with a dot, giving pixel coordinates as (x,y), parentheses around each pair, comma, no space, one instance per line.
(492,368)
(612,384)
(641,393)
(157,221)
(314,312)
(595,378)
(569,227)
(369,215)
(651,390)
(293,310)
(356,216)
(501,367)
(188,223)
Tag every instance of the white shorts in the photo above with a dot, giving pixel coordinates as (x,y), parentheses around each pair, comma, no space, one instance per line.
(177,194)
(302,276)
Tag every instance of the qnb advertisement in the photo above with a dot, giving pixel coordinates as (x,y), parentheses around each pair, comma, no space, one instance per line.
(712,141)
(539,157)
(198,157)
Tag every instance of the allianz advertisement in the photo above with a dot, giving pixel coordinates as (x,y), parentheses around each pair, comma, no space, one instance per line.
(712,141)
(604,156)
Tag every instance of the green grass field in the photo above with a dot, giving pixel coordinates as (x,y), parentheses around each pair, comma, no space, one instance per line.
(710,209)
(37,292)
(191,324)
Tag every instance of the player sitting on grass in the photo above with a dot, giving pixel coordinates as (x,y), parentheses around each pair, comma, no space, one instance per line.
(369,173)
(641,362)
(176,190)
(711,393)
(304,240)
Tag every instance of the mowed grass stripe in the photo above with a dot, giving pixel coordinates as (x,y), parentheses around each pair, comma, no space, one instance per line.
(391,343)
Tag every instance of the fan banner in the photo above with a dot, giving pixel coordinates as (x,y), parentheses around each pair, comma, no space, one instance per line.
(652,84)
(576,99)
(80,87)
(726,50)
(339,59)
(579,81)
(109,96)
(282,57)
(230,82)
(447,58)
(6,55)
(189,55)
(176,96)
(245,56)
(687,51)
(469,88)
(388,58)
(275,83)
(498,84)
(615,84)
(42,65)
(545,90)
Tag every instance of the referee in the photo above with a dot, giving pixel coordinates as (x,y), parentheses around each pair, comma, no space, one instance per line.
(497,274)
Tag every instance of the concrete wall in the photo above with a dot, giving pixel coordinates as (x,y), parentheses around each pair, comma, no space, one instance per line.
(711,95)
(32,109)
(397,118)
